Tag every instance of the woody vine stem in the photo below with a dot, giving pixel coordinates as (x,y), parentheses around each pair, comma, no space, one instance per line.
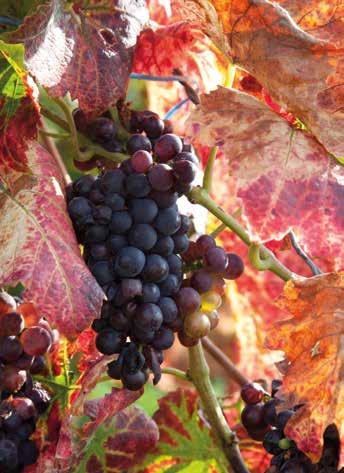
(260,257)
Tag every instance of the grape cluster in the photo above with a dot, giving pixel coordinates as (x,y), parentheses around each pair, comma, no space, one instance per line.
(24,340)
(263,423)
(132,233)
(202,293)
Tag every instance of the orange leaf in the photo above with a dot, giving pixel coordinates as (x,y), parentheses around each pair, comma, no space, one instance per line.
(313,343)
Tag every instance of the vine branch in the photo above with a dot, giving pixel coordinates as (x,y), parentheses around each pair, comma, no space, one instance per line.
(52,148)
(224,361)
(314,268)
(208,172)
(177,373)
(199,374)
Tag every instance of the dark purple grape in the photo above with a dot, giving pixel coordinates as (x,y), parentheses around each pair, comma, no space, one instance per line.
(102,129)
(283,417)
(142,336)
(188,300)
(10,349)
(235,267)
(184,171)
(270,442)
(160,177)
(80,210)
(28,452)
(155,269)
(39,396)
(131,288)
(252,417)
(164,246)
(269,412)
(121,222)
(11,323)
(26,430)
(39,365)
(24,407)
(129,262)
(114,201)
(137,185)
(181,243)
(169,309)
(175,264)
(126,167)
(119,321)
(135,381)
(83,185)
(187,156)
(102,271)
(8,455)
(109,341)
(148,317)
(96,234)
(201,281)
(167,146)
(141,161)
(12,422)
(99,324)
(204,243)
(170,286)
(185,225)
(112,181)
(143,210)
(80,120)
(252,393)
(136,143)
(142,236)
(99,251)
(164,199)
(182,188)
(36,341)
(96,195)
(163,339)
(215,259)
(12,379)
(152,124)
(150,292)
(24,362)
(116,242)
(168,221)
(114,369)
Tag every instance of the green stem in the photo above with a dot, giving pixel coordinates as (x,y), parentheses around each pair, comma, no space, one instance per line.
(59,136)
(175,372)
(200,196)
(218,230)
(199,374)
(208,172)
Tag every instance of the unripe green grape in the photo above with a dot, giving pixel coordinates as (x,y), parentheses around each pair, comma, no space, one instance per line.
(197,325)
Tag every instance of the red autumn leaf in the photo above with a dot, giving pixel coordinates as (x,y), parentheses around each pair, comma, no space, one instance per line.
(44,255)
(312,341)
(92,50)
(300,71)
(283,177)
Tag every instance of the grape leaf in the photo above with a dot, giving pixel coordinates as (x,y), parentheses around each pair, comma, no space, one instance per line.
(184,439)
(18,108)
(88,53)
(39,249)
(312,341)
(284,178)
(301,72)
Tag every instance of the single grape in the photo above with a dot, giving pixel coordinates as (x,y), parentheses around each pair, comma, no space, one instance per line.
(114,369)
(184,171)
(136,143)
(185,225)
(135,381)
(142,336)
(109,341)
(167,147)
(163,339)
(181,243)
(24,407)
(24,362)
(142,236)
(216,260)
(160,177)
(175,264)
(141,161)
(120,222)
(235,266)
(185,340)
(99,251)
(12,378)
(116,242)
(155,269)
(131,288)
(197,325)
(164,199)
(102,129)
(112,145)
(11,323)
(168,221)
(201,281)
(119,321)
(152,124)
(137,185)
(214,318)
(143,210)
(252,417)
(80,210)
(96,234)
(83,185)
(36,341)
(252,393)
(150,292)
(115,201)
(129,262)
(187,156)
(170,285)
(169,309)
(10,348)
(164,246)
(188,300)
(210,301)
(99,324)
(102,271)
(96,195)
(204,243)
(148,317)
(112,181)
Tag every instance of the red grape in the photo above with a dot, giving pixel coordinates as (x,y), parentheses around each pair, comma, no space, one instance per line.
(36,341)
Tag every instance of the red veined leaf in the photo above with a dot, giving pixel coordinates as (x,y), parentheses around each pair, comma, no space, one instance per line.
(38,247)
(283,177)
(93,50)
(312,341)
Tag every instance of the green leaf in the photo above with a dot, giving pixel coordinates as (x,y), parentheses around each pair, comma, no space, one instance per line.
(185,443)
(12,73)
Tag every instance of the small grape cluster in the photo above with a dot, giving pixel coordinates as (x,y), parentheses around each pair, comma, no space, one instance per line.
(263,423)
(24,340)
(202,293)
(129,224)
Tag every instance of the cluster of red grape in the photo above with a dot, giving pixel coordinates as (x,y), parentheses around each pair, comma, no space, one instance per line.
(24,340)
(132,233)
(201,294)
(263,423)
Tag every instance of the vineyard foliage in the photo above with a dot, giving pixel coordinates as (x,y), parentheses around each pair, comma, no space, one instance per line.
(279,168)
